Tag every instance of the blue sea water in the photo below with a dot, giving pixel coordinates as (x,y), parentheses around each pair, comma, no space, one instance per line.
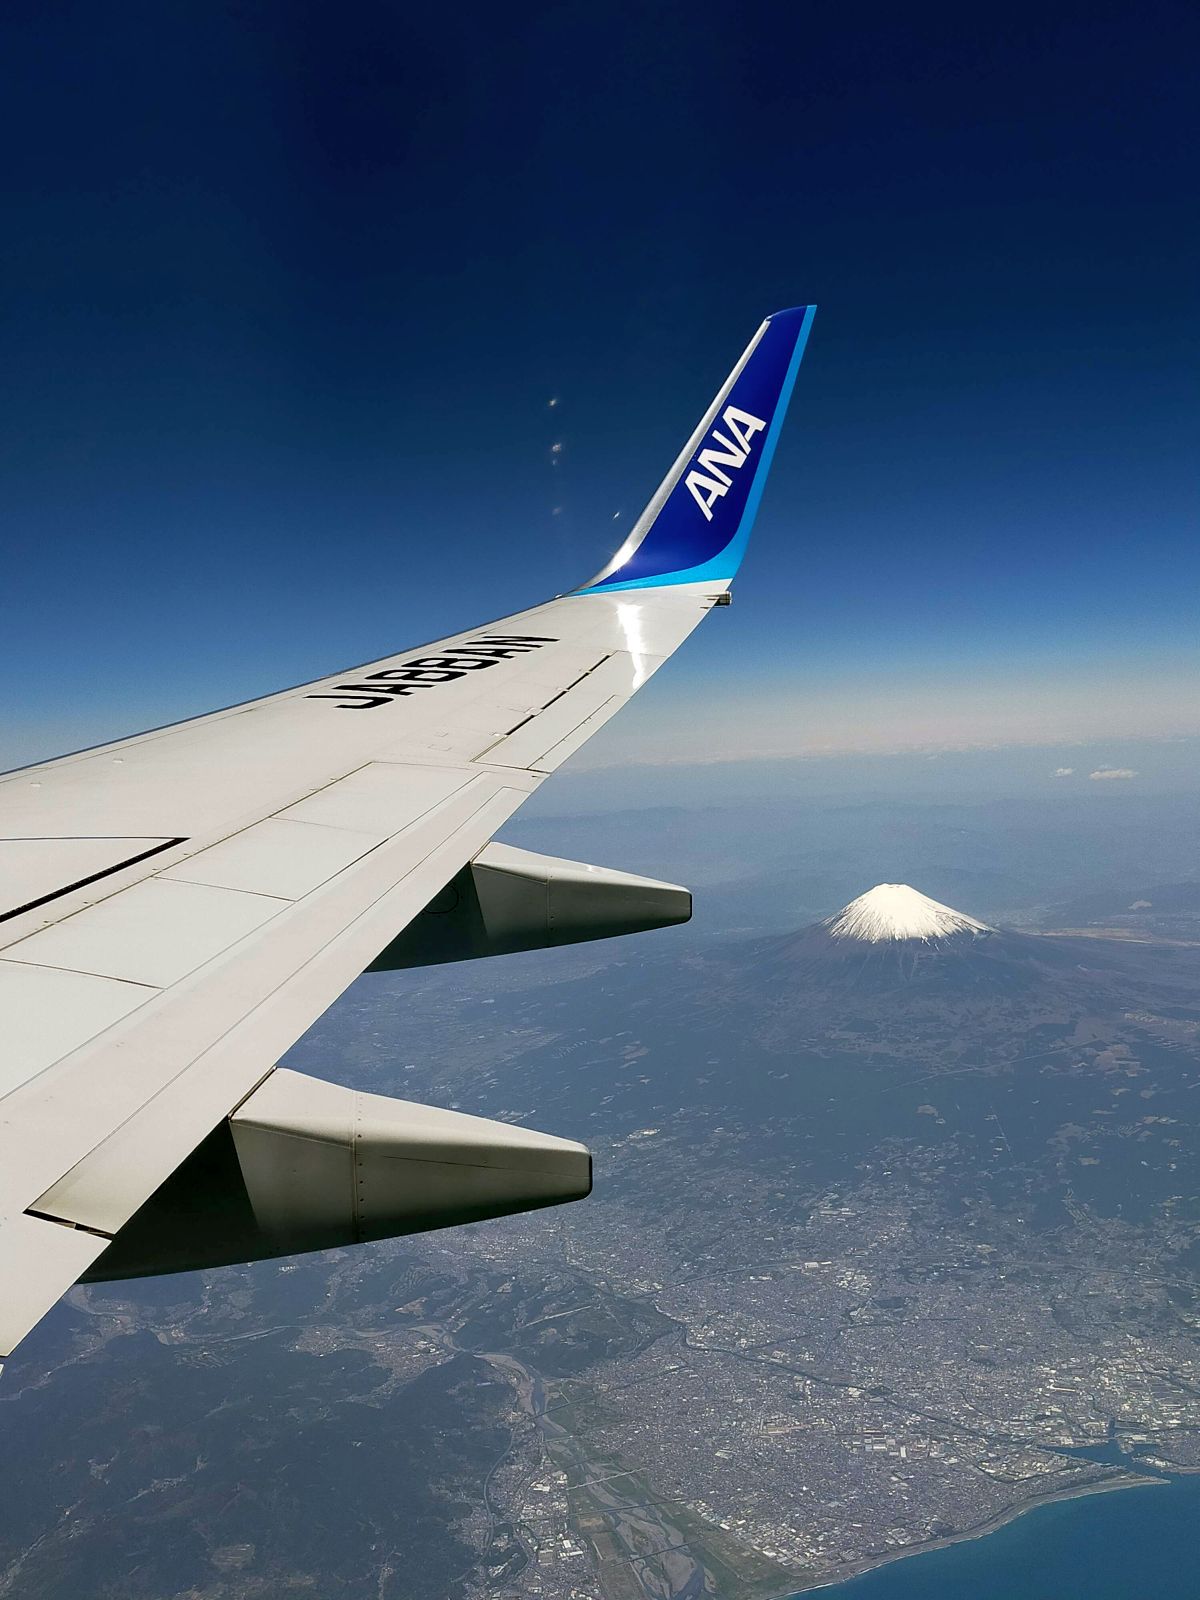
(1141,1543)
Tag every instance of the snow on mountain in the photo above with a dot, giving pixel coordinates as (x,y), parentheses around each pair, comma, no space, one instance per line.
(893,911)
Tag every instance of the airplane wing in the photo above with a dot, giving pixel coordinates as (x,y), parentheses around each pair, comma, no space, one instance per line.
(179,907)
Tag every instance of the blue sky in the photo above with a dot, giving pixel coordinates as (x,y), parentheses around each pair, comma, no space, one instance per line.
(287,291)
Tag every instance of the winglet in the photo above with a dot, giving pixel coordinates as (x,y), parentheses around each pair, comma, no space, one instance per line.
(696,527)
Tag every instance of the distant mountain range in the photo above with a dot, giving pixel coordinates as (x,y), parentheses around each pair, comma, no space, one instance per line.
(1165,910)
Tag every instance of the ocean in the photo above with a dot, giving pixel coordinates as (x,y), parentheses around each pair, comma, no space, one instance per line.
(1128,1544)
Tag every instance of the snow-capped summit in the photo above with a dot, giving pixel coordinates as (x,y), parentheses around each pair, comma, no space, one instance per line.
(894,911)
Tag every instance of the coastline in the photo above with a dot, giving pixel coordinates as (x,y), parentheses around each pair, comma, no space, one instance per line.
(1122,1480)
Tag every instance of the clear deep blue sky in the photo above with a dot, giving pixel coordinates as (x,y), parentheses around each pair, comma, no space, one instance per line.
(286,291)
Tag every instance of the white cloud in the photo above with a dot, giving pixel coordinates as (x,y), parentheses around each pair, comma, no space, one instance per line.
(1106,774)
(1065,772)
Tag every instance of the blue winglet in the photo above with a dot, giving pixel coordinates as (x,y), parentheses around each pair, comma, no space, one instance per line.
(696,527)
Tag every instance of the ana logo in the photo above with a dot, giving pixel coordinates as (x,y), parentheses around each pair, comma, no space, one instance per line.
(708,480)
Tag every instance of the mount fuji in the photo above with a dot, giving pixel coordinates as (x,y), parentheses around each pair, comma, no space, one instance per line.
(895,970)
(894,938)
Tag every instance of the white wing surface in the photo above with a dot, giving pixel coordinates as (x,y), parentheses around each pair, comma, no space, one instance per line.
(177,908)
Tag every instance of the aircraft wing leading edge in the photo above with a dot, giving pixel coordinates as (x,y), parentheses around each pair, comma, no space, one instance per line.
(179,907)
